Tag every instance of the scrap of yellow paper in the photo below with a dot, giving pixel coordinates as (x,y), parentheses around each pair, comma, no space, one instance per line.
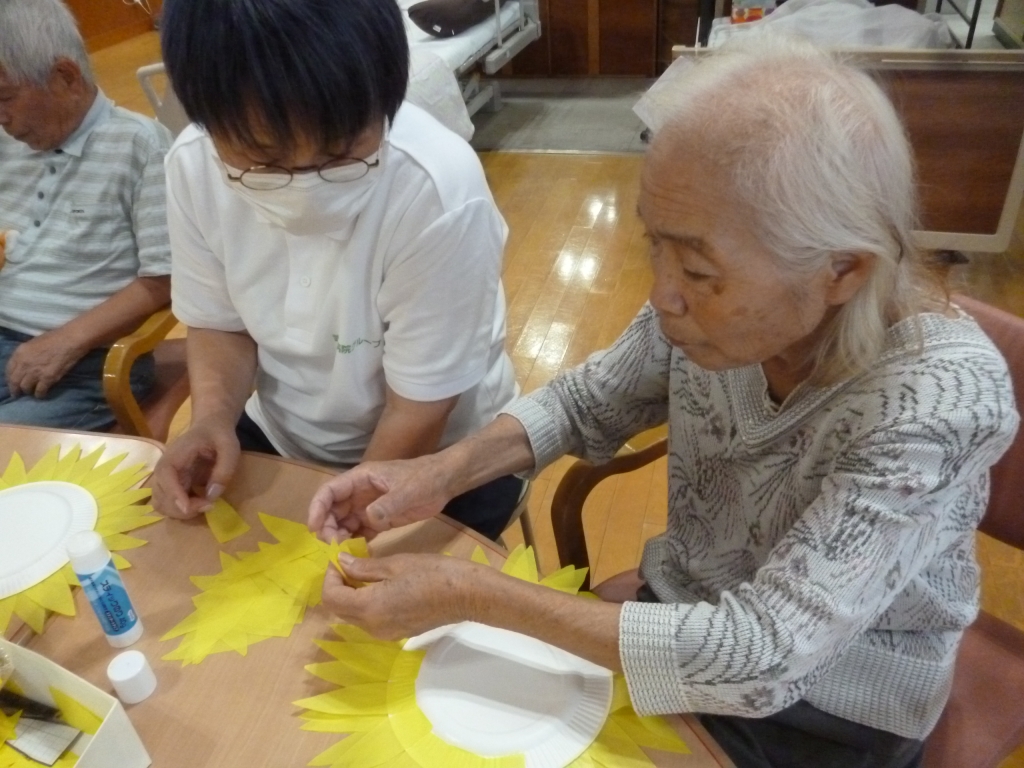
(356,548)
(7,725)
(225,523)
(257,594)
(74,713)
(376,703)
(118,512)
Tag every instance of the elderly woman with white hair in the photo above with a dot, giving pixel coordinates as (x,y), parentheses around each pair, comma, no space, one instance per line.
(832,419)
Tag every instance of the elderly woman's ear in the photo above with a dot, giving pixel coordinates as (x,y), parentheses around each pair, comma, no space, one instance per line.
(847,274)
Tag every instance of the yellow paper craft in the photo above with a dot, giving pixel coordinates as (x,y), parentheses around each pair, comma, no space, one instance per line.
(225,523)
(257,594)
(375,703)
(118,512)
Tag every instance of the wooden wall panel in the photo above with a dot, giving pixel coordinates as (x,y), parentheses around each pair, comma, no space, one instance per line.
(964,164)
(106,22)
(568,32)
(677,25)
(628,35)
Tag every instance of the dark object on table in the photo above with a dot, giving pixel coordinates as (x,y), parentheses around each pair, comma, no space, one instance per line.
(11,702)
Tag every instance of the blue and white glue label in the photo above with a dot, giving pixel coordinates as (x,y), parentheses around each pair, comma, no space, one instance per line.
(109,599)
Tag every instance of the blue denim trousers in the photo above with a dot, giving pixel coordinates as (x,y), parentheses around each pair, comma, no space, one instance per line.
(74,402)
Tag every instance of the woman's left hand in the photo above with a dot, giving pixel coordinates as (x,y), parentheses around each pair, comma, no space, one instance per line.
(404,595)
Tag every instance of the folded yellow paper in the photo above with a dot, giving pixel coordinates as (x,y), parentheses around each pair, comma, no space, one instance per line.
(225,523)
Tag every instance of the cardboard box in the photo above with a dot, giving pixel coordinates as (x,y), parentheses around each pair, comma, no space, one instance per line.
(115,743)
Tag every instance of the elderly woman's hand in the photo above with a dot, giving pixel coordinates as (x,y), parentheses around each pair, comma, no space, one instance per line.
(377,496)
(404,594)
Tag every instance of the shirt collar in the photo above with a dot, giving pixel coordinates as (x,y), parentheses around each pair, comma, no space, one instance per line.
(98,112)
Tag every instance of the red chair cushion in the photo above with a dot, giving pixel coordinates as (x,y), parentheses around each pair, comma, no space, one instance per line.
(984,719)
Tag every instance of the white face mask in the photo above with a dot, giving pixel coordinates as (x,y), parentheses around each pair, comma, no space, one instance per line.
(310,205)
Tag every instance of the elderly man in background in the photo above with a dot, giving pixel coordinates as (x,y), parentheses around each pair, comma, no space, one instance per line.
(832,419)
(82,205)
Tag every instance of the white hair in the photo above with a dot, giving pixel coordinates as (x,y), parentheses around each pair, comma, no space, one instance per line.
(34,34)
(816,150)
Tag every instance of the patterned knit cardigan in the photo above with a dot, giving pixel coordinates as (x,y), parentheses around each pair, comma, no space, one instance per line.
(821,550)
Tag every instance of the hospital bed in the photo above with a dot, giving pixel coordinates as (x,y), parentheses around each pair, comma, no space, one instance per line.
(481,50)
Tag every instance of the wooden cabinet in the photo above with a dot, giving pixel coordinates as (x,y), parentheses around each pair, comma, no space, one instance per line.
(593,37)
(105,22)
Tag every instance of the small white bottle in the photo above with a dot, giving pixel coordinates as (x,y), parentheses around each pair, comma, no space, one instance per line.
(91,561)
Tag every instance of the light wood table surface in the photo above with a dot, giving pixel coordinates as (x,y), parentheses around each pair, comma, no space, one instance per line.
(232,711)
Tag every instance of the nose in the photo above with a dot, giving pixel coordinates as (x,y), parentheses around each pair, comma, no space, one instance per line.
(667,299)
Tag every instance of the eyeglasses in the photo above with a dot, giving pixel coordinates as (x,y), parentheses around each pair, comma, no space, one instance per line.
(337,170)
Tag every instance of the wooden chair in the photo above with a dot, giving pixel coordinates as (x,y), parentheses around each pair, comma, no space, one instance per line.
(984,719)
(577,483)
(152,417)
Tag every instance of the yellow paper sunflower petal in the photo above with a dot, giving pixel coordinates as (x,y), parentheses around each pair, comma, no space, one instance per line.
(225,522)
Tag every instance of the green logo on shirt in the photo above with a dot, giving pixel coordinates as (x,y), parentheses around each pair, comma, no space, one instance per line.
(346,349)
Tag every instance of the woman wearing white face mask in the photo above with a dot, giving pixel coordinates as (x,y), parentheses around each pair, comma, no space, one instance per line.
(330,243)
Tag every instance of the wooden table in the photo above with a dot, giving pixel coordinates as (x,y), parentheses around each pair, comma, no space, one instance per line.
(232,711)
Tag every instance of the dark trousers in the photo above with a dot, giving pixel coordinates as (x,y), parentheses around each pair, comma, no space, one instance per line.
(486,509)
(802,736)
(76,401)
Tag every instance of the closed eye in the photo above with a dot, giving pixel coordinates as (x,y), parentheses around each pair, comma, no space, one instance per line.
(695,276)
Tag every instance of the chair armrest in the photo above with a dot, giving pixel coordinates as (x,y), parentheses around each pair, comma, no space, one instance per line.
(571,494)
(118,366)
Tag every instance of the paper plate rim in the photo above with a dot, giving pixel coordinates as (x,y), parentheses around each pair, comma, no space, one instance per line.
(587,719)
(84,513)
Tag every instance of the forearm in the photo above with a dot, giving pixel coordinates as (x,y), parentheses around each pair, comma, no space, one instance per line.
(501,448)
(119,315)
(407,428)
(222,370)
(586,628)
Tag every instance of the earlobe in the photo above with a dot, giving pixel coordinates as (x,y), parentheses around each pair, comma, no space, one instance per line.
(65,75)
(850,271)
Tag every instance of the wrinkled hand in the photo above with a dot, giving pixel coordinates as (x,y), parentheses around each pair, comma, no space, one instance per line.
(378,496)
(38,364)
(195,469)
(405,594)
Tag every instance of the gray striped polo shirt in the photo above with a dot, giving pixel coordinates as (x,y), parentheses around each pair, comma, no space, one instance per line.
(90,217)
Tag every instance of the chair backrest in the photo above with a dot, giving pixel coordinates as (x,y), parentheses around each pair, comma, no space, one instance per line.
(168,109)
(1004,519)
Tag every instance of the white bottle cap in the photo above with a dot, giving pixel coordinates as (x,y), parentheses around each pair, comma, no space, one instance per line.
(87,552)
(131,676)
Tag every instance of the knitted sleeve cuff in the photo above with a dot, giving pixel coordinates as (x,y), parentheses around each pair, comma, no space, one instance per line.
(646,631)
(547,436)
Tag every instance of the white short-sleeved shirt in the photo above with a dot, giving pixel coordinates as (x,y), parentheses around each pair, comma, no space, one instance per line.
(410,295)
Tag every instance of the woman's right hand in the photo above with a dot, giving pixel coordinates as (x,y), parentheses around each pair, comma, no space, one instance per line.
(379,495)
(195,469)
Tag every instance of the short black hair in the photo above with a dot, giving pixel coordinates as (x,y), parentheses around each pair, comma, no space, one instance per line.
(322,70)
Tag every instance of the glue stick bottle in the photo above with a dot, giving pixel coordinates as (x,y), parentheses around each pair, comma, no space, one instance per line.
(91,561)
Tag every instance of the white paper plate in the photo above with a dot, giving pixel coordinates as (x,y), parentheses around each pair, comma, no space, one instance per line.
(495,693)
(36,521)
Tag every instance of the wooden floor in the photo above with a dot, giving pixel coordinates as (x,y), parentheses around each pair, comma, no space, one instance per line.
(576,273)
